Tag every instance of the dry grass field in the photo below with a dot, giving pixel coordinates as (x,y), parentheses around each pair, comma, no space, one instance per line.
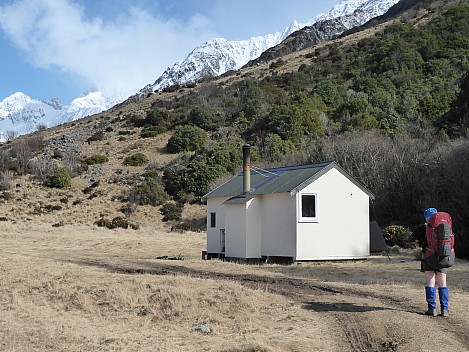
(84,288)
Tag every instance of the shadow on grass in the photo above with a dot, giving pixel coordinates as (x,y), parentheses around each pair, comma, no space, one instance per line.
(341,307)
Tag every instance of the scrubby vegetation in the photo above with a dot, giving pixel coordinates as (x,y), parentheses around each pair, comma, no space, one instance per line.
(96,159)
(117,222)
(391,109)
(59,179)
(171,211)
(396,235)
(138,159)
(150,191)
(186,138)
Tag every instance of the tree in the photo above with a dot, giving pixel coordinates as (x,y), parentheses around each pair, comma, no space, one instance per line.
(186,138)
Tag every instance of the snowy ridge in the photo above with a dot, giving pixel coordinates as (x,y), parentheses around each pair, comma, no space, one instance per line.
(20,114)
(348,7)
(217,56)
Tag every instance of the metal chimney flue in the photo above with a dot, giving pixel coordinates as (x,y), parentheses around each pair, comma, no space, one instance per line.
(246,168)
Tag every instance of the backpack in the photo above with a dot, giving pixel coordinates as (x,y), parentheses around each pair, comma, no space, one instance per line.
(439,252)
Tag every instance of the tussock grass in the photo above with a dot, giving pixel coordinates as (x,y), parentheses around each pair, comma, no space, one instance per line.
(63,289)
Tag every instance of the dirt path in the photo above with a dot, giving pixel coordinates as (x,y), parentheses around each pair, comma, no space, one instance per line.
(367,319)
(354,306)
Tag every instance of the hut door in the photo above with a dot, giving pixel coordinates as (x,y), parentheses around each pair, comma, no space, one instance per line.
(222,240)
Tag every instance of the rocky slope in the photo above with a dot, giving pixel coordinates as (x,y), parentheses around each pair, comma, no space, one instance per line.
(327,27)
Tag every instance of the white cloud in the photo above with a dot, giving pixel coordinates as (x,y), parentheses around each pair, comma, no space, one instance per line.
(123,54)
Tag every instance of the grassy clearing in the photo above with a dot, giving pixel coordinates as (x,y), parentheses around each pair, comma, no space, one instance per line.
(57,294)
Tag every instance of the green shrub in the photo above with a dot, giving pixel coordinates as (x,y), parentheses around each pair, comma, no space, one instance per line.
(96,159)
(60,179)
(171,211)
(152,131)
(138,159)
(190,175)
(150,191)
(203,118)
(275,149)
(186,138)
(157,118)
(396,235)
(185,226)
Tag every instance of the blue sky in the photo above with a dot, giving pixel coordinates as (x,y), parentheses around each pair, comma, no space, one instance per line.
(63,48)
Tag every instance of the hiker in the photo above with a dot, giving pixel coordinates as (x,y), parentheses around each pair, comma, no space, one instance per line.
(437,257)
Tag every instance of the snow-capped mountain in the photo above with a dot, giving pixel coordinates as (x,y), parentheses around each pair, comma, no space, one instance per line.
(218,56)
(374,8)
(20,114)
(341,18)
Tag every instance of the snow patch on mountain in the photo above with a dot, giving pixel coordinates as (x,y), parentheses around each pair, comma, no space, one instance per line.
(20,114)
(348,7)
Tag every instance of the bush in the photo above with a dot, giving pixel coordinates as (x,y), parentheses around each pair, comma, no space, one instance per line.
(186,138)
(189,175)
(277,64)
(185,226)
(96,159)
(150,191)
(152,131)
(192,174)
(396,235)
(157,118)
(171,211)
(96,137)
(203,118)
(274,148)
(60,179)
(117,222)
(138,159)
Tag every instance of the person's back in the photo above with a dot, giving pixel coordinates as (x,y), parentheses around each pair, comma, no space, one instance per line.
(434,268)
(439,252)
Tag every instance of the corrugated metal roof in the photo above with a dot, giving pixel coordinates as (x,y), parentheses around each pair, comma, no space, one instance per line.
(277,180)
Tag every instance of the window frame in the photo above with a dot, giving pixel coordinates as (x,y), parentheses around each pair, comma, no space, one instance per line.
(307,219)
(213,220)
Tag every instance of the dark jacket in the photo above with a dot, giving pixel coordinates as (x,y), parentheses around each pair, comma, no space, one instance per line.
(420,235)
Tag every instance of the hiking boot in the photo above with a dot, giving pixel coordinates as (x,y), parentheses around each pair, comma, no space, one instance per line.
(431,312)
(430,296)
(443,292)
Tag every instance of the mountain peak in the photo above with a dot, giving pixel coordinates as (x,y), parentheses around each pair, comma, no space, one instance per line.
(22,114)
(217,56)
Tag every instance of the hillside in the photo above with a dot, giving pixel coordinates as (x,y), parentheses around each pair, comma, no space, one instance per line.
(386,102)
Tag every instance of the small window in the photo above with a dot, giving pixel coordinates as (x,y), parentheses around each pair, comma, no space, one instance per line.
(213,219)
(308,208)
